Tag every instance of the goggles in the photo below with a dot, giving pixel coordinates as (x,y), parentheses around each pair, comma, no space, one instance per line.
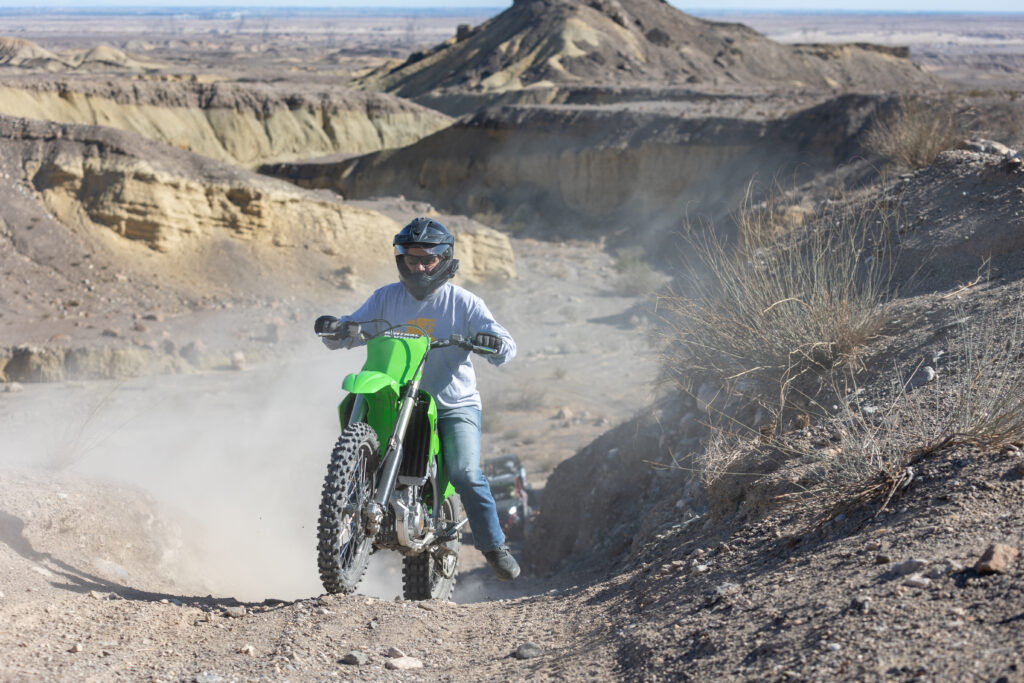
(431,258)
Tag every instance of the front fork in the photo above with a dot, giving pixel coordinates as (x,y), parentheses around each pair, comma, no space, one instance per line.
(392,459)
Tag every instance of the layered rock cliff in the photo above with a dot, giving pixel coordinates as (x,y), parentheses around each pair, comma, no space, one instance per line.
(101,225)
(239,123)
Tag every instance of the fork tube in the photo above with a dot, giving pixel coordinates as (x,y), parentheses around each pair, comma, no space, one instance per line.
(394,453)
(358,409)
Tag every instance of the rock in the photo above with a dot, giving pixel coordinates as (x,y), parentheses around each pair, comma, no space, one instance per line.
(919,377)
(403,664)
(13,388)
(155,317)
(1016,471)
(373,624)
(140,327)
(917,581)
(985,147)
(943,569)
(238,361)
(861,604)
(111,332)
(996,559)
(235,611)
(77,647)
(908,567)
(882,559)
(96,595)
(247,650)
(356,658)
(35,364)
(529,650)
(105,362)
(395,653)
(208,677)
(727,588)
(564,413)
(193,352)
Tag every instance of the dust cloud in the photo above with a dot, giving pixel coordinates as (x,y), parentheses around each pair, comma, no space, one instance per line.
(235,459)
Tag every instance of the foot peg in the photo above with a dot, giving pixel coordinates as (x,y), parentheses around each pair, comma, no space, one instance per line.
(448,533)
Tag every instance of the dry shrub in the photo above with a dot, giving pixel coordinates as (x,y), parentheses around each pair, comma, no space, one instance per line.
(989,405)
(781,305)
(979,402)
(636,277)
(914,133)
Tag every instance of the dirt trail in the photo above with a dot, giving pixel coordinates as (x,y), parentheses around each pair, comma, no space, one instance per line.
(121,502)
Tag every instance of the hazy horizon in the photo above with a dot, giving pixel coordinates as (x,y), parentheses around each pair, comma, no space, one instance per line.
(477,6)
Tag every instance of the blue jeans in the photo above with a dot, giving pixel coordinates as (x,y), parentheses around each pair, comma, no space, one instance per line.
(459,430)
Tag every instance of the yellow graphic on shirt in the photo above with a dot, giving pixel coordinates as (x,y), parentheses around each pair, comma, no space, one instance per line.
(421,326)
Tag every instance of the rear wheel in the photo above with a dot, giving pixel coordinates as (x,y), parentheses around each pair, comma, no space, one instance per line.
(344,546)
(431,574)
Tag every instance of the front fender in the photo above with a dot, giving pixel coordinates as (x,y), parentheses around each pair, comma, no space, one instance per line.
(369,382)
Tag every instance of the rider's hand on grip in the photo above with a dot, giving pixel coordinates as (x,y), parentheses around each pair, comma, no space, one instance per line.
(491,341)
(326,324)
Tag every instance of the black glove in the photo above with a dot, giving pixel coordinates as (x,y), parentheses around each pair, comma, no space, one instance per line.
(491,341)
(326,324)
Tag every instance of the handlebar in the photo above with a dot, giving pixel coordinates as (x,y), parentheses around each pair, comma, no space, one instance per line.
(351,328)
(462,343)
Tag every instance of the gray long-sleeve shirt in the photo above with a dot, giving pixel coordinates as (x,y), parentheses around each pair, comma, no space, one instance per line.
(448,374)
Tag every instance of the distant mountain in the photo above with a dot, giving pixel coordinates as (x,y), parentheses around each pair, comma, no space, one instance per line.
(549,45)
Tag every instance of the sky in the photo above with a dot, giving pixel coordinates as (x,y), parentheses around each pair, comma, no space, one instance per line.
(695,7)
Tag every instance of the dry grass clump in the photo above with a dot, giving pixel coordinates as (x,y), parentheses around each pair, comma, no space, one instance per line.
(989,406)
(914,134)
(780,305)
(635,277)
(977,400)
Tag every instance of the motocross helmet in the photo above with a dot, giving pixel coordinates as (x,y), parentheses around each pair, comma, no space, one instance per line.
(434,238)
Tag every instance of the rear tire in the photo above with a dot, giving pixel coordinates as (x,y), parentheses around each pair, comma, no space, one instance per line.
(344,546)
(431,575)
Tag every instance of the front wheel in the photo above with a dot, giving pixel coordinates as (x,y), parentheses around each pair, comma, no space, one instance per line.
(431,574)
(344,546)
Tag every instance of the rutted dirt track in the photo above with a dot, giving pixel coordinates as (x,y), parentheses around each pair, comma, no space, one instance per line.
(166,414)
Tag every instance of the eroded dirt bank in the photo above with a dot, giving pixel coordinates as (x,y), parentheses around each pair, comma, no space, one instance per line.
(635,171)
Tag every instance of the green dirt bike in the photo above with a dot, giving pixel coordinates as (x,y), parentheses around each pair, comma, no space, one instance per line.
(402,499)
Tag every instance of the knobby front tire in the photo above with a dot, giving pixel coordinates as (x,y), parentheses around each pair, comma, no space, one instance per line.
(344,547)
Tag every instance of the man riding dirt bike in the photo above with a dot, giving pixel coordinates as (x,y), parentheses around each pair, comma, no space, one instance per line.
(425,303)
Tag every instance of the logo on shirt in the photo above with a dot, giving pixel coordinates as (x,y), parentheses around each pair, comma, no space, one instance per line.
(421,326)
